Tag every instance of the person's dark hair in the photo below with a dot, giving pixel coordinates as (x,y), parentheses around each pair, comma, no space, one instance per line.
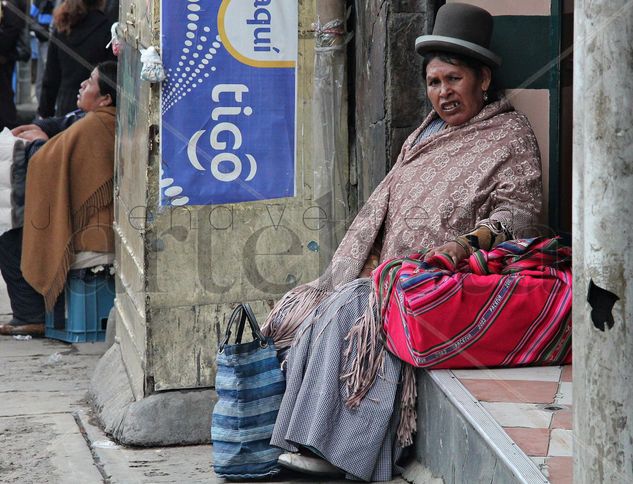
(465,61)
(107,79)
(71,12)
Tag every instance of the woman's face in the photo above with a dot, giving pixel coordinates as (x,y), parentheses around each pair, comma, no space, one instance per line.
(90,97)
(456,91)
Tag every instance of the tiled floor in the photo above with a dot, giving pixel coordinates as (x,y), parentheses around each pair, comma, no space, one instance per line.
(533,405)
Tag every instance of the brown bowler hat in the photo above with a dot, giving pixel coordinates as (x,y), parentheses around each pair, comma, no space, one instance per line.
(461,29)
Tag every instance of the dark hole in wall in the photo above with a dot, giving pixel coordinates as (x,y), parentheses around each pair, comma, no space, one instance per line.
(601,302)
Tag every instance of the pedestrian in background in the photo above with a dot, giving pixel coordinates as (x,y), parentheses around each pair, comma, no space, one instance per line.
(11,25)
(81,32)
(42,15)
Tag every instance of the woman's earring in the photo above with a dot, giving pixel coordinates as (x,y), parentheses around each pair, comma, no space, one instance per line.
(485,96)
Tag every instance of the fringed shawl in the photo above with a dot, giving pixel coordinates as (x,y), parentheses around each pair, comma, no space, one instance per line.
(486,170)
(68,206)
(440,187)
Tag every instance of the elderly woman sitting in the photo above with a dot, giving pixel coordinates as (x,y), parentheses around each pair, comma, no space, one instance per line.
(68,206)
(468,178)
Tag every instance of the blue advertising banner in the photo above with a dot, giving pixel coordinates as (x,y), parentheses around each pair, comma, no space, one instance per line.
(228,103)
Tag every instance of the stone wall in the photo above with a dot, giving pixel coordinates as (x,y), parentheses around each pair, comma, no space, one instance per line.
(388,89)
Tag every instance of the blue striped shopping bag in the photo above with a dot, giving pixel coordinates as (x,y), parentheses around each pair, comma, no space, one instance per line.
(250,385)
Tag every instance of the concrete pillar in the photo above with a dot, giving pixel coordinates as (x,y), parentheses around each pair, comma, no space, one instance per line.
(328,10)
(330,122)
(23,88)
(603,240)
(180,270)
(389,98)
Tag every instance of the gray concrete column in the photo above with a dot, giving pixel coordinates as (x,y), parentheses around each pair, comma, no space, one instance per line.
(331,144)
(603,241)
(328,10)
(23,91)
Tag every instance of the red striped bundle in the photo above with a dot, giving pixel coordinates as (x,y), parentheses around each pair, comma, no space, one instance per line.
(510,306)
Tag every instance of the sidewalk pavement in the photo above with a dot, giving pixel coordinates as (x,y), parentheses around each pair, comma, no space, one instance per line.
(48,433)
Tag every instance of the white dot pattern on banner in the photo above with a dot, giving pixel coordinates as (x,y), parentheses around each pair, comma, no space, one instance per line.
(173,192)
(194,68)
(165,182)
(190,64)
(179,202)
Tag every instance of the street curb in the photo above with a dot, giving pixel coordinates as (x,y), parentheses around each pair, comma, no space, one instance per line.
(181,417)
(92,433)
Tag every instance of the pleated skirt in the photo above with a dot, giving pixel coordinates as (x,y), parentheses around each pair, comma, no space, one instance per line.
(313,413)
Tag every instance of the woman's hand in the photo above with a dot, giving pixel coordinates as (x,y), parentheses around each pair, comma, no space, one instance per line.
(454,249)
(29,132)
(370,265)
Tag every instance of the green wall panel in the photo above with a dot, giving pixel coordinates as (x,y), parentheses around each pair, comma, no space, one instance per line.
(525,45)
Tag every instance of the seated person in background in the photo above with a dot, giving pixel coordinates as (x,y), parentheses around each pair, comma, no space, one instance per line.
(68,206)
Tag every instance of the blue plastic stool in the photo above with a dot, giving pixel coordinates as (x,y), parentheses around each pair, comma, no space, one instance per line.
(88,299)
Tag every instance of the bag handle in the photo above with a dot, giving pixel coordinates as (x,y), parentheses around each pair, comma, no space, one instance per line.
(244,313)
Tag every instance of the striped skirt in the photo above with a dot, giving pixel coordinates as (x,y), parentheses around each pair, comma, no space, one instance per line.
(313,413)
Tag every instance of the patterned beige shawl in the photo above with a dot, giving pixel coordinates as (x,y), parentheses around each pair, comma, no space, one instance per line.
(486,170)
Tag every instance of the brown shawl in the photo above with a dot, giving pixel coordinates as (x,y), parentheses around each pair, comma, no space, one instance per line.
(487,169)
(68,203)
